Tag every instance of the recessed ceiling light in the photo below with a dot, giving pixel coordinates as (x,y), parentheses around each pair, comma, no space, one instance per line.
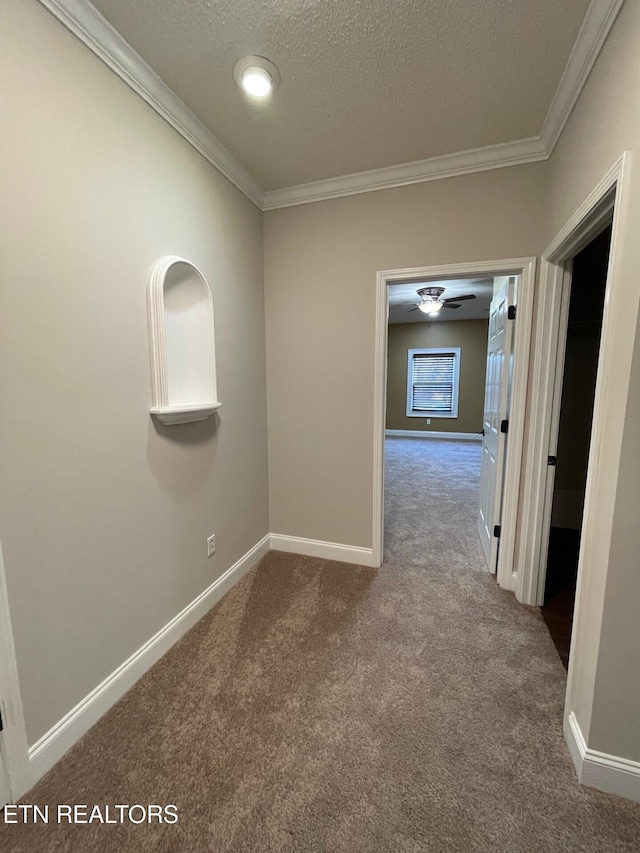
(256,76)
(256,81)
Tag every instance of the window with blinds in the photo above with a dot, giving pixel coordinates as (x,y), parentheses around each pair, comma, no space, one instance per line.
(432,382)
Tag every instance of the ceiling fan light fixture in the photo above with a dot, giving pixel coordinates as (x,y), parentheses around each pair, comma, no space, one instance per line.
(256,76)
(430,307)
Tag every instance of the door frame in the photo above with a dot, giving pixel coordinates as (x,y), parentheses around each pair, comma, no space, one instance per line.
(13,739)
(525,268)
(602,206)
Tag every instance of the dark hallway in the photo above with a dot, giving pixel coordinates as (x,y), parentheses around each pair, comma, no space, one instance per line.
(584,329)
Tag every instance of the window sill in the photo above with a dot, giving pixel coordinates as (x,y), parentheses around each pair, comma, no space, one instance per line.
(435,415)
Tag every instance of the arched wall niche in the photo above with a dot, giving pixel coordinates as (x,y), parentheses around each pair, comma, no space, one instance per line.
(183,360)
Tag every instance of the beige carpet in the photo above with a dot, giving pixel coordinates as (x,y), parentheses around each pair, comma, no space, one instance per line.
(431,503)
(331,708)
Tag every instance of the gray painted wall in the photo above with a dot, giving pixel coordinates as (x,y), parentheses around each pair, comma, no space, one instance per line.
(604,687)
(103,513)
(321,262)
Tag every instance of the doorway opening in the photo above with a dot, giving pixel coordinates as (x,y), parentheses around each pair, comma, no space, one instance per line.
(582,310)
(600,209)
(436,355)
(524,270)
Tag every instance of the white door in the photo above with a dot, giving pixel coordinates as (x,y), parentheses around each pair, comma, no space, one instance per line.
(496,400)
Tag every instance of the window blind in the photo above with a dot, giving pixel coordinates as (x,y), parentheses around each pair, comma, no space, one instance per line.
(432,382)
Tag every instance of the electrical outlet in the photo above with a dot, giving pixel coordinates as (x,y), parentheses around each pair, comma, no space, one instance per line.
(211,545)
(428,420)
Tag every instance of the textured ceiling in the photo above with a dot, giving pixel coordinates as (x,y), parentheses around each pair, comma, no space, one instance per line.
(403,296)
(365,83)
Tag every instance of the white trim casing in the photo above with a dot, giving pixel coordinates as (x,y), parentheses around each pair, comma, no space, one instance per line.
(559,322)
(58,740)
(379,416)
(615,774)
(13,739)
(583,226)
(325,550)
(609,773)
(456,352)
(507,568)
(524,268)
(423,433)
(87,24)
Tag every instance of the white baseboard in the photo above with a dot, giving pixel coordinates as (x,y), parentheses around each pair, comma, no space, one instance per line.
(59,739)
(609,773)
(51,747)
(418,433)
(326,550)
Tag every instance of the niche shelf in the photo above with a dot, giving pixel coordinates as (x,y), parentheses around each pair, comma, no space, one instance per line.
(183,366)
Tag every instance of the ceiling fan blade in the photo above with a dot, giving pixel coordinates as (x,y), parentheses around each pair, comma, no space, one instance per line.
(449,305)
(412,309)
(458,298)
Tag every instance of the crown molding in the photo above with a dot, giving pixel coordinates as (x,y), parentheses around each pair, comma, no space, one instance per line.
(595,28)
(419,171)
(85,22)
(600,17)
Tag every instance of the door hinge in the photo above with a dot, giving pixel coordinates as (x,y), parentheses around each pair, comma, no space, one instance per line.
(504,426)
(552,460)
(511,312)
(497,530)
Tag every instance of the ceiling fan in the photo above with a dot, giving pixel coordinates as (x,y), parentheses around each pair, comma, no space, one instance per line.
(431,301)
